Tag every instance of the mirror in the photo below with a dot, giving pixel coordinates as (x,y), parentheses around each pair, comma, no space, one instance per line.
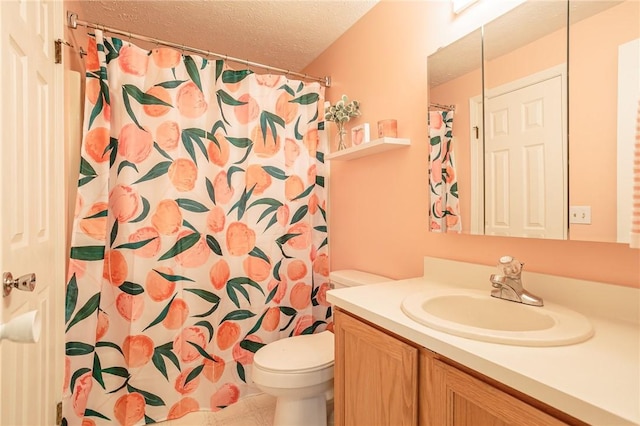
(455,77)
(519,185)
(525,123)
(604,74)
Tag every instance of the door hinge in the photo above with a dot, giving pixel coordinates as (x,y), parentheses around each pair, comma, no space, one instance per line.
(58,51)
(59,413)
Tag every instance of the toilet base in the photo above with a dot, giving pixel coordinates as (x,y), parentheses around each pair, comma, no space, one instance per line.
(311,411)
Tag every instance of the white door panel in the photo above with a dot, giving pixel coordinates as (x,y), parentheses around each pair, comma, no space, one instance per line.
(31,206)
(525,162)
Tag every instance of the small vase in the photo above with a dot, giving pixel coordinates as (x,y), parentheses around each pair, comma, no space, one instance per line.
(341,134)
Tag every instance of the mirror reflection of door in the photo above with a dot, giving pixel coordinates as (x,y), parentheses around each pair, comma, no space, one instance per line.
(525,157)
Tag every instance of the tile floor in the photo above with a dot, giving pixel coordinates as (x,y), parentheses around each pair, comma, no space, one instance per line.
(254,410)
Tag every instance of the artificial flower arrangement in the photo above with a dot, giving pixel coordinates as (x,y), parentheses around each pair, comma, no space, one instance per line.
(340,113)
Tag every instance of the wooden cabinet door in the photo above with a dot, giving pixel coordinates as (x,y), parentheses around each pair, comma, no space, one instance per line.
(455,398)
(376,376)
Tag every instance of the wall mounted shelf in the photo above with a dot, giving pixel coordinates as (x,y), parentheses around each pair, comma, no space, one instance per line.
(375,146)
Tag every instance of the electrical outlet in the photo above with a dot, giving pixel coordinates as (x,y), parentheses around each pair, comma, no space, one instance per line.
(580,214)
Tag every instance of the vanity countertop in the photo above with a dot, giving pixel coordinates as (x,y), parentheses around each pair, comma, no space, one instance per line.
(597,381)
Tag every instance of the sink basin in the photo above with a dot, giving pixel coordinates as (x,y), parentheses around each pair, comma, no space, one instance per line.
(474,314)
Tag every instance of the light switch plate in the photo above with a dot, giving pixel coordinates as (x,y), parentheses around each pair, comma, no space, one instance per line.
(580,214)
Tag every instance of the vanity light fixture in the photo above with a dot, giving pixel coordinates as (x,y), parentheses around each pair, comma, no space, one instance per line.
(460,5)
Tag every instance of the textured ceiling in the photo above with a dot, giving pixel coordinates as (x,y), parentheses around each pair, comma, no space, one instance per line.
(283,34)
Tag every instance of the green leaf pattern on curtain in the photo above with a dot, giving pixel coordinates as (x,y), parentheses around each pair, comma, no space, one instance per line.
(199,234)
(444,203)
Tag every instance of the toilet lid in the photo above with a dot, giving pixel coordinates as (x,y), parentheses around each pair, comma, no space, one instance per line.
(297,354)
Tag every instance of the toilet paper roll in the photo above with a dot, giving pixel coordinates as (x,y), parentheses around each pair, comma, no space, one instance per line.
(24,328)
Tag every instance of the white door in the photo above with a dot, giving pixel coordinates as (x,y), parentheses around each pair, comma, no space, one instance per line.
(31,206)
(525,162)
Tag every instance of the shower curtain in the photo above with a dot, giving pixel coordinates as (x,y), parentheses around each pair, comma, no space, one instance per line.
(443,184)
(199,236)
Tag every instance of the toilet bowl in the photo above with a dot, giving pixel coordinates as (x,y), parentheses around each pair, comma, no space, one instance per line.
(298,370)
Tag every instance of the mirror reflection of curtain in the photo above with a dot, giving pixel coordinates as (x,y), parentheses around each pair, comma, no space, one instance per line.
(444,205)
(199,234)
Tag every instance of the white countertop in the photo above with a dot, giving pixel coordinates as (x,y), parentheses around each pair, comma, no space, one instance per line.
(597,381)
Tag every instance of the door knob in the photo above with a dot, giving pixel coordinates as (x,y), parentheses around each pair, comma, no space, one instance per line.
(25,282)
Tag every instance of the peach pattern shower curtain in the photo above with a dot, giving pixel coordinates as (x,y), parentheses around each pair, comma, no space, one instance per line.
(199,233)
(443,183)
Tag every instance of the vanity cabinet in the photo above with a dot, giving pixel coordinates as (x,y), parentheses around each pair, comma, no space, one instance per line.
(454,397)
(382,379)
(375,376)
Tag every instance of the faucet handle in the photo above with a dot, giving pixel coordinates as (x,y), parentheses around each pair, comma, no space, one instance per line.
(510,266)
(506,259)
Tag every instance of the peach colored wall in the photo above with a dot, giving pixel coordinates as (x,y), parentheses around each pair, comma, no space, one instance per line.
(379,204)
(72,62)
(540,55)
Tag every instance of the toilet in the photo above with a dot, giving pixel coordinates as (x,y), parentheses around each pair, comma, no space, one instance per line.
(298,370)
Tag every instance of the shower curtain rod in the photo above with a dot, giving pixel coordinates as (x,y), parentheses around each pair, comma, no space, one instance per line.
(441,106)
(73,22)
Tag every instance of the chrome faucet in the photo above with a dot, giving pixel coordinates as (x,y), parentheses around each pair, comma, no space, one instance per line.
(508,284)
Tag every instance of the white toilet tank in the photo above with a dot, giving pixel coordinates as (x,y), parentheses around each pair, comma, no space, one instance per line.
(352,278)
